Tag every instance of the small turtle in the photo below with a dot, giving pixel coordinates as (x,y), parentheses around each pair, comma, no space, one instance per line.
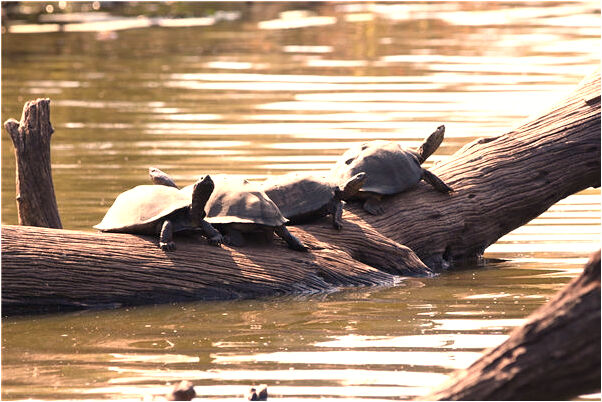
(237,206)
(302,198)
(161,210)
(390,169)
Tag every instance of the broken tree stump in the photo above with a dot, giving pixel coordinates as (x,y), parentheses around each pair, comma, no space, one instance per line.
(555,355)
(36,201)
(500,184)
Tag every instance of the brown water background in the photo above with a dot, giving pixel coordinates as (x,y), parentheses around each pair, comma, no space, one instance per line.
(260,89)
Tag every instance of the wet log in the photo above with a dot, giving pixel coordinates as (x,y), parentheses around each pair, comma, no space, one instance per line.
(500,183)
(36,202)
(555,355)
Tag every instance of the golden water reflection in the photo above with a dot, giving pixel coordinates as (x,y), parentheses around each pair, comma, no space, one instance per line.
(265,89)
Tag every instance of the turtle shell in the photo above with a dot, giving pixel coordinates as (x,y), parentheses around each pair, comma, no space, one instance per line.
(299,194)
(238,201)
(139,209)
(389,168)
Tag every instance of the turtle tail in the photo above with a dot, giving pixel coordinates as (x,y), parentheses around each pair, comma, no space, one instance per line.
(431,143)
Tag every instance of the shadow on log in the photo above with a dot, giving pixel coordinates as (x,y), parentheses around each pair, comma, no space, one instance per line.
(555,355)
(500,184)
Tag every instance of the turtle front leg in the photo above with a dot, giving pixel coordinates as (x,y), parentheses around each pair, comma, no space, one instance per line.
(213,236)
(373,205)
(166,237)
(336,211)
(288,237)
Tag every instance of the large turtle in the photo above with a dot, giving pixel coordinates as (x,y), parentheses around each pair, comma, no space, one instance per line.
(161,211)
(303,198)
(390,169)
(236,207)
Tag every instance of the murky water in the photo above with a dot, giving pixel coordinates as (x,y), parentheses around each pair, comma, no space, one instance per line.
(248,90)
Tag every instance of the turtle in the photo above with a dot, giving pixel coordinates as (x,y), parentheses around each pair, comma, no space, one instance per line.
(389,168)
(304,197)
(237,206)
(161,211)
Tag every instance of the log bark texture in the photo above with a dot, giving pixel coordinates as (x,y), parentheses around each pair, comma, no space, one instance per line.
(36,202)
(500,184)
(555,355)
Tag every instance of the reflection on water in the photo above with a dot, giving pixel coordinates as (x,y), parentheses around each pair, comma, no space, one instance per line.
(262,89)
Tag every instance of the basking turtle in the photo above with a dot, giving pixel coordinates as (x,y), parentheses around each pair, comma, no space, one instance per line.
(302,198)
(390,169)
(237,206)
(161,210)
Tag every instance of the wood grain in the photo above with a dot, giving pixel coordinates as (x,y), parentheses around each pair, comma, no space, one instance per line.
(500,184)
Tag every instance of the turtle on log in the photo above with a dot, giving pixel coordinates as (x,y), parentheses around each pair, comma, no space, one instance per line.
(303,198)
(389,168)
(236,207)
(162,211)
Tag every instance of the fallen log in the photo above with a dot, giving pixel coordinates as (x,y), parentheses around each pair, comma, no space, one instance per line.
(500,183)
(555,355)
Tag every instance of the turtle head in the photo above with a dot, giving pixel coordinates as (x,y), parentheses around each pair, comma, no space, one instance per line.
(351,187)
(431,143)
(200,195)
(161,178)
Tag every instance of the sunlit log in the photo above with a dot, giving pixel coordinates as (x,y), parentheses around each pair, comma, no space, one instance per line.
(555,355)
(36,202)
(500,184)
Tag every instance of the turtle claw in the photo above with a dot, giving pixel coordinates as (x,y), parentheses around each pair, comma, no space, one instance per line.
(167,246)
(216,240)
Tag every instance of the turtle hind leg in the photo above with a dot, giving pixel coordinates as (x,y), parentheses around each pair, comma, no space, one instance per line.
(431,143)
(436,182)
(166,237)
(373,206)
(288,237)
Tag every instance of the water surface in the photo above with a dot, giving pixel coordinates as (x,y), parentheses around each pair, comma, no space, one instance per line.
(262,89)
